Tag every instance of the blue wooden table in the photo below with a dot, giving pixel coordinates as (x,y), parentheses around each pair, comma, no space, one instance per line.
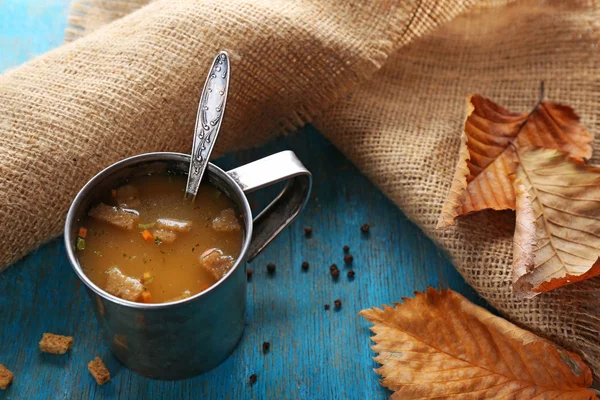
(315,353)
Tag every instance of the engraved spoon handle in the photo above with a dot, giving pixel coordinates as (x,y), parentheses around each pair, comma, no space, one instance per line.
(208,120)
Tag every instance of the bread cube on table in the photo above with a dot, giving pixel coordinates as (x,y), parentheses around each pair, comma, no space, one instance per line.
(55,344)
(99,371)
(6,377)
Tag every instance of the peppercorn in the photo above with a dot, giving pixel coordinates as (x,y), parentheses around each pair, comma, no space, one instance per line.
(249,274)
(346,249)
(305,266)
(266,346)
(271,268)
(252,379)
(307,231)
(335,273)
(365,228)
(348,259)
(337,303)
(327,306)
(351,274)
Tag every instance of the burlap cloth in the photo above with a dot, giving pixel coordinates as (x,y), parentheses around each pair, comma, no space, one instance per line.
(383,80)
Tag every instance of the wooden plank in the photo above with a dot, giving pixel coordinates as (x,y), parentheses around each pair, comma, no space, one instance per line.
(29,28)
(315,354)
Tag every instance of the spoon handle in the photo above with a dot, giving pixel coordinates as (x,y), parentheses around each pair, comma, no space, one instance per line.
(208,120)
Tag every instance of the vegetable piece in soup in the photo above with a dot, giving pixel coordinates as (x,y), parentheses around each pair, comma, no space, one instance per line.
(143,242)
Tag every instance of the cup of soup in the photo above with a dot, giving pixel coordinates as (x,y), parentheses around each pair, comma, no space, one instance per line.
(167,276)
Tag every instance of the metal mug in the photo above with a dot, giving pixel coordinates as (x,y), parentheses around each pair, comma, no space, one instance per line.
(185,338)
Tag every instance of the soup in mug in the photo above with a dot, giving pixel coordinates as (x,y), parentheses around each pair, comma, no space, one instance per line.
(143,242)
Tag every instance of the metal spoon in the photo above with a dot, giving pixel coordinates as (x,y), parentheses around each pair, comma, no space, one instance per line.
(208,121)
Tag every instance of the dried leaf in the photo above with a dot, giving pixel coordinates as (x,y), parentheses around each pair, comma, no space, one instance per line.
(439,345)
(557,230)
(486,157)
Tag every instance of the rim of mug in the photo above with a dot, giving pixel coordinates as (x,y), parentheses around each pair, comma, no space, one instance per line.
(131,162)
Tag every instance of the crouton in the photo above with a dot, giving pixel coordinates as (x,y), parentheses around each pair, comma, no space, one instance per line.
(182,296)
(99,371)
(215,262)
(55,344)
(6,377)
(122,286)
(174,225)
(164,235)
(227,221)
(115,216)
(128,196)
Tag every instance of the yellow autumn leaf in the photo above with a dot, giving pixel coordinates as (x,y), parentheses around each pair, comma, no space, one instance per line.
(439,345)
(486,164)
(557,232)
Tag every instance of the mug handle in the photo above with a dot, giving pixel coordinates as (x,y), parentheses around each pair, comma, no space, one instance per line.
(287,205)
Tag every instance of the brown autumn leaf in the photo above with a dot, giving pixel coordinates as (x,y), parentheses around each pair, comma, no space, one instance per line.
(483,177)
(440,345)
(557,230)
